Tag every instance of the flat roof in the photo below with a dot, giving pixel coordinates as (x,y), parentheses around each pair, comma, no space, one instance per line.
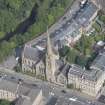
(32,53)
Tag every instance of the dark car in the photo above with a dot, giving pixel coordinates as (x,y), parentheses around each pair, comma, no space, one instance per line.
(12,77)
(63,91)
(34,85)
(20,80)
(64,18)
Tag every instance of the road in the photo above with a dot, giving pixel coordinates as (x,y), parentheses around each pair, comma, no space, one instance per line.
(10,62)
(48,87)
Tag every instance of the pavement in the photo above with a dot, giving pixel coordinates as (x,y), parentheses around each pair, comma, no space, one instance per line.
(9,63)
(49,88)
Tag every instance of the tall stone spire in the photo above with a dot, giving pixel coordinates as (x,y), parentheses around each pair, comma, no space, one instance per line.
(81,30)
(50,61)
(49,47)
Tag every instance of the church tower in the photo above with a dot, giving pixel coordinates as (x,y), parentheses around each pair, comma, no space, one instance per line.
(50,61)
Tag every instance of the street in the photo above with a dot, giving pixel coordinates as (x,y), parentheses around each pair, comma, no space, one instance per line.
(48,88)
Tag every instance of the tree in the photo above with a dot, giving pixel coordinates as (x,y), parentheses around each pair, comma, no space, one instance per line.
(71,56)
(63,51)
(4,102)
(23,20)
(80,60)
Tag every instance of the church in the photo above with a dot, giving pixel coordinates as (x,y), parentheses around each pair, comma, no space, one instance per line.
(47,65)
(44,64)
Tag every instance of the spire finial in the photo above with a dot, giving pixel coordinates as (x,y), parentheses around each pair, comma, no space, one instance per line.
(82,30)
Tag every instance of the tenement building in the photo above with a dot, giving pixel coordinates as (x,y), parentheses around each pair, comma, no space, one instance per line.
(88,81)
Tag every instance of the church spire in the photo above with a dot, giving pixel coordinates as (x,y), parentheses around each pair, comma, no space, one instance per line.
(50,60)
(49,47)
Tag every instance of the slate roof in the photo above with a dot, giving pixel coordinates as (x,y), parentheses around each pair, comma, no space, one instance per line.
(59,64)
(80,19)
(32,53)
(87,12)
(99,62)
(65,70)
(76,70)
(92,75)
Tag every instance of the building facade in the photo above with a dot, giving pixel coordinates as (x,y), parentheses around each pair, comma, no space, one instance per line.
(89,82)
(33,61)
(48,65)
(7,95)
